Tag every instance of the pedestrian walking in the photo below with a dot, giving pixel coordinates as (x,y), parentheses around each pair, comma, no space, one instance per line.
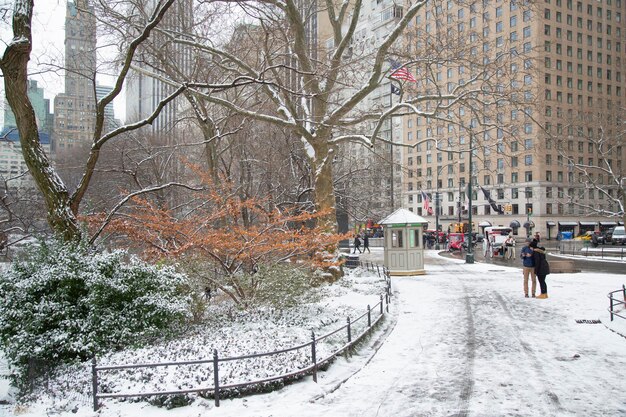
(357,244)
(366,243)
(528,267)
(542,268)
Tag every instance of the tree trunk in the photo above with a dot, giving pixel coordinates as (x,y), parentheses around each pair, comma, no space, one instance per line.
(324,185)
(14,68)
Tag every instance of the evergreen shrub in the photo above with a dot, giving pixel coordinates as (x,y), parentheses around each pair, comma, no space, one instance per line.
(64,302)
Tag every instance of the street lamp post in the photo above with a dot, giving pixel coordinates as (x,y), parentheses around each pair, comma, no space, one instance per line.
(527,213)
(437,247)
(469,256)
(437,206)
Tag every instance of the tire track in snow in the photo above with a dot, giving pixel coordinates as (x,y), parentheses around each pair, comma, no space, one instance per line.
(470,343)
(552,399)
(467,384)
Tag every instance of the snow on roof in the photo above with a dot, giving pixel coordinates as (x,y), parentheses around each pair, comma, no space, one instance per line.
(403,216)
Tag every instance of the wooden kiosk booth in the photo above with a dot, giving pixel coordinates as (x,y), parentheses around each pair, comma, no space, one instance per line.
(404,242)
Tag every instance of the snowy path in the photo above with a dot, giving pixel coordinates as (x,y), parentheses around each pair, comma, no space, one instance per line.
(466,343)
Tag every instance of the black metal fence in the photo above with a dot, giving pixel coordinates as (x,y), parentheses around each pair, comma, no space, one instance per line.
(614,302)
(371,317)
(584,248)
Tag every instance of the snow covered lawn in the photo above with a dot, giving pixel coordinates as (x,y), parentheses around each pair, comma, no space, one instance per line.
(232,333)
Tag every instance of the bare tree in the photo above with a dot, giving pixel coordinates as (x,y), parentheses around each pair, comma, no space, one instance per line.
(318,89)
(596,182)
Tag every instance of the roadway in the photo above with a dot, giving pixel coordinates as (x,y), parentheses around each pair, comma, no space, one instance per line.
(607,265)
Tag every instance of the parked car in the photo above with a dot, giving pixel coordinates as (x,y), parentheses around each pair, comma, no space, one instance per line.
(595,237)
(618,236)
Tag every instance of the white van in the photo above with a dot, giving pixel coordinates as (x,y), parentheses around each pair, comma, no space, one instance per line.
(619,236)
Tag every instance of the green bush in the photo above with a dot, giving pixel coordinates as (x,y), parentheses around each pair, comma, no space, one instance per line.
(64,302)
(281,286)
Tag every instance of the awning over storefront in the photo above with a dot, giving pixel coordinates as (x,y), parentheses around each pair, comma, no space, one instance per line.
(484,223)
(515,224)
(568,224)
(588,223)
(550,224)
(529,225)
(609,224)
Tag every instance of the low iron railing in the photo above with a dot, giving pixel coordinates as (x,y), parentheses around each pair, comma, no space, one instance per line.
(586,249)
(614,302)
(378,310)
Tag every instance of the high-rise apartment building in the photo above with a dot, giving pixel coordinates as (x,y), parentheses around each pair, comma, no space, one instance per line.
(373,175)
(567,68)
(75,109)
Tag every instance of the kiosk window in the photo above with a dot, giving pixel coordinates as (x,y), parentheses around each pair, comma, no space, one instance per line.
(415,238)
(396,239)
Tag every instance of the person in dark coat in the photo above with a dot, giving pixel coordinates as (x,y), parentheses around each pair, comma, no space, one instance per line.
(366,243)
(542,268)
(357,244)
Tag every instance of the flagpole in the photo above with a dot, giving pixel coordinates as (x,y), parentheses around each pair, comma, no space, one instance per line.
(393,205)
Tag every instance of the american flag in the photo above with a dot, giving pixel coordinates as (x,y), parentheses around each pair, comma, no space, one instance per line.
(401,73)
(426,202)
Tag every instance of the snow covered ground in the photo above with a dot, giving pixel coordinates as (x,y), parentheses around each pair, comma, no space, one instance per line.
(462,341)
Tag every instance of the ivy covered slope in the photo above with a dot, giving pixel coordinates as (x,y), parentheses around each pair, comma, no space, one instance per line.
(63,302)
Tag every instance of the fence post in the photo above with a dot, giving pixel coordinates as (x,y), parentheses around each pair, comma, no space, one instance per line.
(611,305)
(313,356)
(216,378)
(624,293)
(381,305)
(378,270)
(387,299)
(94,383)
(349,330)
(369,316)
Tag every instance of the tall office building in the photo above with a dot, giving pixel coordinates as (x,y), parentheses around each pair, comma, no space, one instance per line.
(143,92)
(12,164)
(75,109)
(40,104)
(567,64)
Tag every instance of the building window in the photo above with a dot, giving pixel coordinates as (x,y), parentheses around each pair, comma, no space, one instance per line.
(528,176)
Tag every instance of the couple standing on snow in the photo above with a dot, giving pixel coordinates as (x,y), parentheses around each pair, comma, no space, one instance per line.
(535,266)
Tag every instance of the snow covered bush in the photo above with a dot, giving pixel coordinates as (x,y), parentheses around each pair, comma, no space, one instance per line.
(281,286)
(65,302)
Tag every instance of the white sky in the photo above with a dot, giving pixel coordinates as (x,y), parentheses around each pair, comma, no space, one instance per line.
(48,47)
(461,340)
